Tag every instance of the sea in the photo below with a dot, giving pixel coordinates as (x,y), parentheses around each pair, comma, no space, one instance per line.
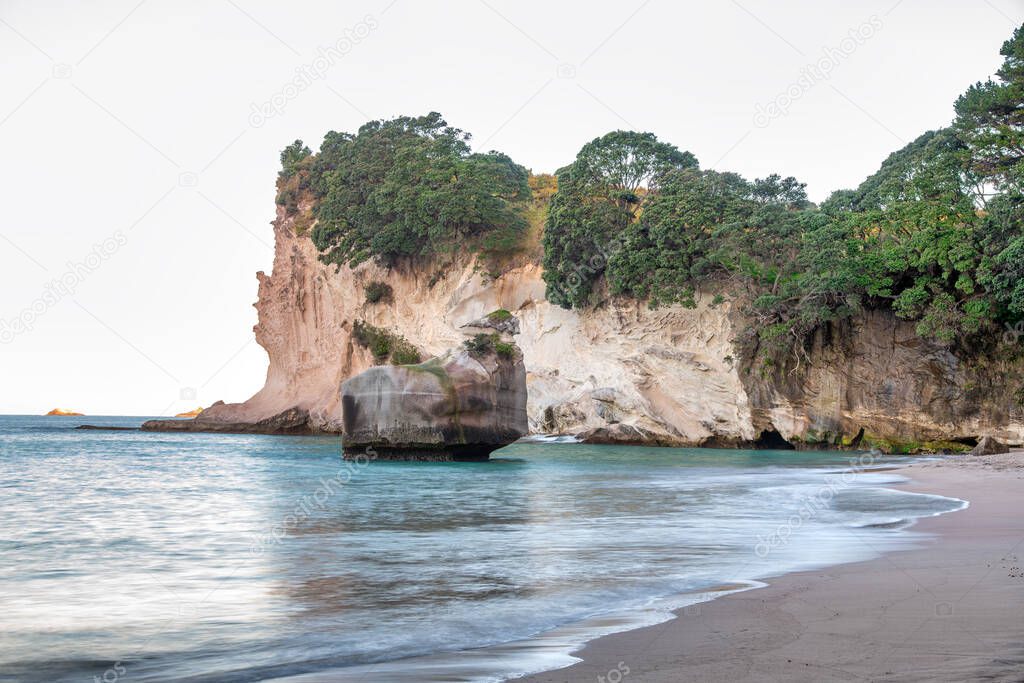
(148,557)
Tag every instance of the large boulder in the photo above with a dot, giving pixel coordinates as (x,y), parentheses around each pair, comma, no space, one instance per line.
(990,446)
(459,406)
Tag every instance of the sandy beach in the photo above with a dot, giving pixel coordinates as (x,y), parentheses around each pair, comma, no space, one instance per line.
(950,610)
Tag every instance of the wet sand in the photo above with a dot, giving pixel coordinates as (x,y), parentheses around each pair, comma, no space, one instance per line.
(950,610)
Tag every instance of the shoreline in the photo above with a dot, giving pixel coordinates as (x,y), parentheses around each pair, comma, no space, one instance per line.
(287,424)
(598,648)
(948,609)
(757,629)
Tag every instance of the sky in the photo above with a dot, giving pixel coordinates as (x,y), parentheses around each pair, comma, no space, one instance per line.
(140,140)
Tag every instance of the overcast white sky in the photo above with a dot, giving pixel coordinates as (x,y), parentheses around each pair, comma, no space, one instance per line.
(132,123)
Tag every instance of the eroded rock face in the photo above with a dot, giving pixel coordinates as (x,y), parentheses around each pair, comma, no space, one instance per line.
(455,407)
(876,377)
(621,372)
(671,369)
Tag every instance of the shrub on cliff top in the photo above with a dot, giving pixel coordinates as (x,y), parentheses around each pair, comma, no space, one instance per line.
(479,345)
(293,179)
(404,353)
(504,349)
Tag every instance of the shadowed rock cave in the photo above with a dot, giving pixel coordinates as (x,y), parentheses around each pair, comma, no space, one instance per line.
(771,440)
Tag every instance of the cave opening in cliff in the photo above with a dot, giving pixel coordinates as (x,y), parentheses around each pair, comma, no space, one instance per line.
(771,440)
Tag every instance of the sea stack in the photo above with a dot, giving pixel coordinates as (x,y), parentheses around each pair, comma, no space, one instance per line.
(459,406)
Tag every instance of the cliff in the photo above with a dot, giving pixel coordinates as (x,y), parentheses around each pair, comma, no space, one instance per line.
(618,373)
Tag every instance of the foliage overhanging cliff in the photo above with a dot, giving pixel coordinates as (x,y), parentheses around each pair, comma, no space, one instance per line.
(405,188)
(659,302)
(933,237)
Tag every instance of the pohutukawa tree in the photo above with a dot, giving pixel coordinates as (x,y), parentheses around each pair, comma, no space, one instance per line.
(407,187)
(934,236)
(601,193)
(990,120)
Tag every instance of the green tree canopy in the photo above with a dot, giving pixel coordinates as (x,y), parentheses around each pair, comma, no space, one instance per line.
(670,247)
(410,187)
(292,156)
(990,120)
(934,236)
(599,195)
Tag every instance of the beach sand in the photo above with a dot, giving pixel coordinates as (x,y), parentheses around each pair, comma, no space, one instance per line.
(950,610)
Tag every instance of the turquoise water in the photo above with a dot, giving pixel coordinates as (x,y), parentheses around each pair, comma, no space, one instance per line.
(167,557)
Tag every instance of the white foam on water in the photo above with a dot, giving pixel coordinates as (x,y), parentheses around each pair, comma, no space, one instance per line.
(545,652)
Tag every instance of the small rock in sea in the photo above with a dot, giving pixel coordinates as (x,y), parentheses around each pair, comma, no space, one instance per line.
(64,412)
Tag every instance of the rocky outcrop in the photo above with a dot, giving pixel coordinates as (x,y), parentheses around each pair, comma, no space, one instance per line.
(64,412)
(106,428)
(289,421)
(500,321)
(876,378)
(989,446)
(195,412)
(455,407)
(620,372)
(667,373)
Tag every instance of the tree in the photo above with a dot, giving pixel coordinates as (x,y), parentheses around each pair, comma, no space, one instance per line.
(672,244)
(291,156)
(601,193)
(410,187)
(934,167)
(1003,267)
(990,120)
(786,192)
(917,218)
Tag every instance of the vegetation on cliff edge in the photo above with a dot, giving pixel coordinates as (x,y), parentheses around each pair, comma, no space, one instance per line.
(406,187)
(934,236)
(385,345)
(480,345)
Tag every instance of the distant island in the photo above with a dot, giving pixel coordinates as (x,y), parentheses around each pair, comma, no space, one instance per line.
(191,413)
(62,411)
